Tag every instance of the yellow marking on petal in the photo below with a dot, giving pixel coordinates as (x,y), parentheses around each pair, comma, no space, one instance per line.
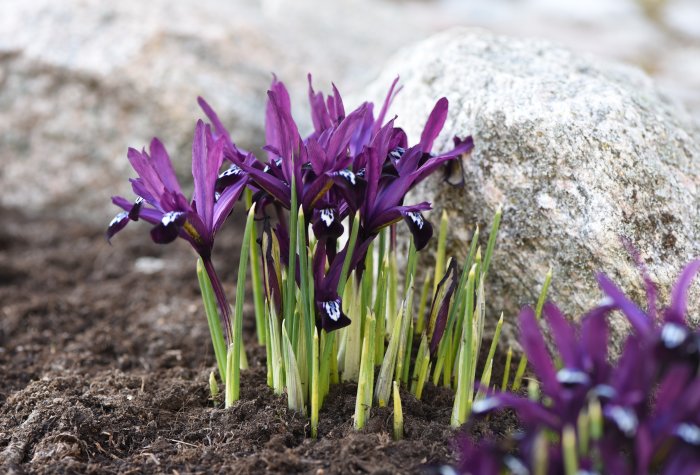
(189,229)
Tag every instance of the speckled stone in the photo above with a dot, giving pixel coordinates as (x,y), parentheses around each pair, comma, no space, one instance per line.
(578,152)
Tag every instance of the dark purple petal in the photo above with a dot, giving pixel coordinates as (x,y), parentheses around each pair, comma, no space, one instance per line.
(331,314)
(594,343)
(420,228)
(450,281)
(149,215)
(563,333)
(536,350)
(228,177)
(326,223)
(533,414)
(648,283)
(434,125)
(639,320)
(169,227)
(118,223)
(679,295)
(136,209)
(226,202)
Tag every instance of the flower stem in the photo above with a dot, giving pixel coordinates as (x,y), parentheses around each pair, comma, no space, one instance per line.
(224,308)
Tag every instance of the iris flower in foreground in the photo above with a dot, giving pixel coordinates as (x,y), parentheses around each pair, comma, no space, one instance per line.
(161,202)
(649,398)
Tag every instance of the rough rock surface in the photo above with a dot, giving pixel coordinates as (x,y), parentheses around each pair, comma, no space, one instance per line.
(578,152)
(82,80)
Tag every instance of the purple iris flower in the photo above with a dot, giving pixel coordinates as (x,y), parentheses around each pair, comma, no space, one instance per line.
(160,201)
(670,338)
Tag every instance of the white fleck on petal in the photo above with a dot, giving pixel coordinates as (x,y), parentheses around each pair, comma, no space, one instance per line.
(672,335)
(170,217)
(572,376)
(348,175)
(417,218)
(118,217)
(625,419)
(689,433)
(332,309)
(327,216)
(484,405)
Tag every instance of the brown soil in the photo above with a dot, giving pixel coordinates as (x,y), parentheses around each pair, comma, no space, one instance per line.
(104,369)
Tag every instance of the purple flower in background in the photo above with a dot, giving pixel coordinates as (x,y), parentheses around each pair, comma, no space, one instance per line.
(160,200)
(670,338)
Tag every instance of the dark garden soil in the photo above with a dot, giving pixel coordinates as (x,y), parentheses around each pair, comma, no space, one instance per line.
(104,364)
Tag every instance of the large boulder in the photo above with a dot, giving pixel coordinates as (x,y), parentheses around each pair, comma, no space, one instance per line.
(82,80)
(579,152)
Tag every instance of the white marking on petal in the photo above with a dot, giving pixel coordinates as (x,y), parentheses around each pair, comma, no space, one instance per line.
(348,175)
(119,217)
(332,309)
(672,335)
(689,433)
(327,216)
(572,376)
(138,201)
(397,153)
(625,419)
(484,405)
(232,171)
(606,302)
(266,169)
(417,218)
(171,217)
(217,195)
(516,466)
(604,390)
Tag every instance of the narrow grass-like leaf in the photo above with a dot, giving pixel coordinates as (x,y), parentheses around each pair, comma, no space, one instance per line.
(492,241)
(409,351)
(465,383)
(406,319)
(256,278)
(380,311)
(353,333)
(237,342)
(485,382)
(348,255)
(295,397)
(290,294)
(568,446)
(211,310)
(398,413)
(315,401)
(213,386)
(386,373)
(363,400)
(422,306)
(506,371)
(422,367)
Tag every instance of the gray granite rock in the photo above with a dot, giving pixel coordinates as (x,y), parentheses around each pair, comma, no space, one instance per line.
(578,152)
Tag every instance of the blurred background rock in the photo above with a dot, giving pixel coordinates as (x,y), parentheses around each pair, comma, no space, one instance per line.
(81,80)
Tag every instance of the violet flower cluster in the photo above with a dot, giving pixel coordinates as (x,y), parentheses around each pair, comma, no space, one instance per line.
(354,164)
(649,399)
